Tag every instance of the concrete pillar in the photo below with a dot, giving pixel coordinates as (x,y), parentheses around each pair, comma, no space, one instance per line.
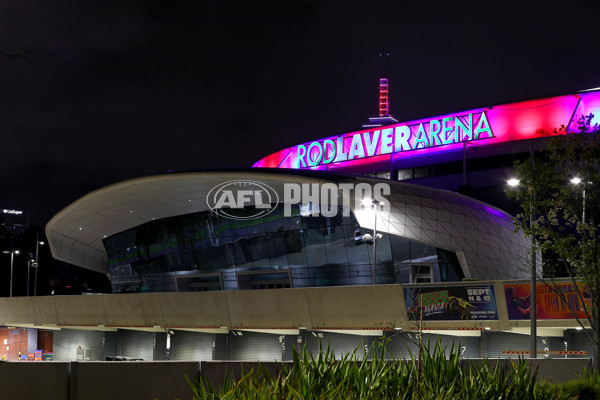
(221,346)
(287,344)
(110,345)
(159,351)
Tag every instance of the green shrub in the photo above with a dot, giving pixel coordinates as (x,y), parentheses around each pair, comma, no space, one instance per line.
(586,387)
(435,376)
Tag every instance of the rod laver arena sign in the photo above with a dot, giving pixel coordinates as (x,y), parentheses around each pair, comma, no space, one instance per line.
(396,139)
(371,148)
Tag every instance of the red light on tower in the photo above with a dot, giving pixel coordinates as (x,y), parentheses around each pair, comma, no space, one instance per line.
(384,98)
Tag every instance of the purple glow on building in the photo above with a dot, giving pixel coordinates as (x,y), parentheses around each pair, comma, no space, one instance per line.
(447,133)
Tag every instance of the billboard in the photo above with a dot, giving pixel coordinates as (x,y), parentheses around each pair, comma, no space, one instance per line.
(550,302)
(473,302)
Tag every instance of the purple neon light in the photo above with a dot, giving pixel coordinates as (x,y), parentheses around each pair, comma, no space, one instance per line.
(508,122)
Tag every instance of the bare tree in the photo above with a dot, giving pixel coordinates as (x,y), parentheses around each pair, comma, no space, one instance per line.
(16,52)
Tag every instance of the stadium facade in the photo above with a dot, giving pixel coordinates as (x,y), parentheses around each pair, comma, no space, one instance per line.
(343,239)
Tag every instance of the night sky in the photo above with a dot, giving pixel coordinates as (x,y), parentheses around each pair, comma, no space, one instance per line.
(120,89)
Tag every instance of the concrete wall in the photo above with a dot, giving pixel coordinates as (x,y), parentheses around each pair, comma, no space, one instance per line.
(348,307)
(313,308)
(136,345)
(132,380)
(34,380)
(548,369)
(551,370)
(166,379)
(66,342)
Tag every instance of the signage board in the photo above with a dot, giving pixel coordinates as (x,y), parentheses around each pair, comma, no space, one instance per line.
(445,303)
(550,304)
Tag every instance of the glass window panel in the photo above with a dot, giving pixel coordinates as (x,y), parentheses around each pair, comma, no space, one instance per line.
(313,222)
(400,249)
(255,226)
(319,275)
(280,261)
(315,247)
(402,271)
(449,267)
(385,272)
(384,250)
(199,261)
(361,274)
(405,174)
(258,247)
(319,251)
(210,256)
(313,236)
(261,263)
(335,246)
(274,221)
(300,276)
(420,252)
(239,252)
(339,275)
(336,221)
(239,228)
(294,244)
(293,222)
(244,267)
(277,248)
(357,251)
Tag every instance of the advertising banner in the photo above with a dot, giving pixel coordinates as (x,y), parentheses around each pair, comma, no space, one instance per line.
(473,302)
(550,304)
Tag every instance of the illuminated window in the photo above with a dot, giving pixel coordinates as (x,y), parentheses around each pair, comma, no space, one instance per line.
(421,273)
(405,174)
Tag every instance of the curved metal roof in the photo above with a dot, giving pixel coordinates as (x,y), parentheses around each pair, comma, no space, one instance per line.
(480,234)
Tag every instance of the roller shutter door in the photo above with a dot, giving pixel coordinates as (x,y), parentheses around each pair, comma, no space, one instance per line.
(67,341)
(137,345)
(469,343)
(402,345)
(191,346)
(253,346)
(497,342)
(339,344)
(578,341)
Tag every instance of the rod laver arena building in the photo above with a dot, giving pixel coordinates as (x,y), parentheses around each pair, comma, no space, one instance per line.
(342,239)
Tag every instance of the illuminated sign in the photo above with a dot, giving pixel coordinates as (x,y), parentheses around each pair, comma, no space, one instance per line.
(559,300)
(396,139)
(525,120)
(451,303)
(14,212)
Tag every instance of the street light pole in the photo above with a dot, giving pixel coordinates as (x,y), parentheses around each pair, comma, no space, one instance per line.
(12,262)
(375,203)
(533,294)
(28,268)
(583,205)
(576,181)
(533,283)
(37,264)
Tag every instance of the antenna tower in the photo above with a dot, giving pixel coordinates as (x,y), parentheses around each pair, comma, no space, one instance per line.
(384,90)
